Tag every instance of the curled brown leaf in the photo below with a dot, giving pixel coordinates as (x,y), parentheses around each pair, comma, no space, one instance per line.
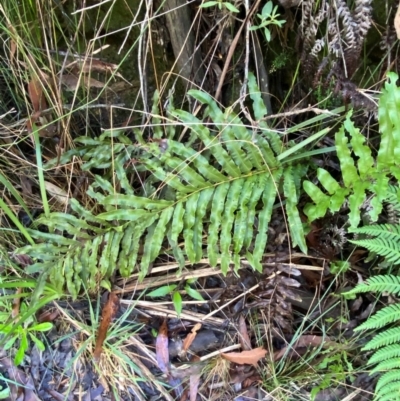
(109,312)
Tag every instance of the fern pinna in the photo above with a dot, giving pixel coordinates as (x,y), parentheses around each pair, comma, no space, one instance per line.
(362,175)
(218,197)
(385,345)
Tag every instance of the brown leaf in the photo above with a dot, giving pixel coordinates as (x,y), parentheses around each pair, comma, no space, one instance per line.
(72,82)
(397,22)
(16,304)
(303,342)
(190,337)
(194,386)
(92,65)
(36,95)
(162,353)
(250,357)
(244,335)
(19,382)
(48,316)
(109,312)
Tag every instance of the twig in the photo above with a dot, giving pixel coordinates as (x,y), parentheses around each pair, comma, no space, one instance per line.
(233,48)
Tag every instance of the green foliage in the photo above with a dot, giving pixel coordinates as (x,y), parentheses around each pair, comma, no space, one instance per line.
(386,243)
(269,16)
(336,368)
(229,6)
(386,345)
(24,334)
(176,296)
(219,199)
(361,173)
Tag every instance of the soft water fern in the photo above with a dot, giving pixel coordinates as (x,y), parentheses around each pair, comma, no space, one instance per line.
(362,175)
(215,200)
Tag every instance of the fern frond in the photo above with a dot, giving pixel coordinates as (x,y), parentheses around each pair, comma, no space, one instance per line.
(388,377)
(386,247)
(215,203)
(387,283)
(390,364)
(385,353)
(387,315)
(361,175)
(388,337)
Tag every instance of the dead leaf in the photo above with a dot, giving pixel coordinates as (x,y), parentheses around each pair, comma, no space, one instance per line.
(19,382)
(162,353)
(250,357)
(304,342)
(194,386)
(35,91)
(92,65)
(72,82)
(190,337)
(109,312)
(59,194)
(48,316)
(16,304)
(397,22)
(243,334)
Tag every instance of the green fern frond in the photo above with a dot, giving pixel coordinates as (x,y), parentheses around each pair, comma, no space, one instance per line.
(388,377)
(391,351)
(390,364)
(390,336)
(214,203)
(384,283)
(360,174)
(388,248)
(387,315)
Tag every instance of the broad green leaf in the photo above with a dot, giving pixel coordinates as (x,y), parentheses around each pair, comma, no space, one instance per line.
(365,162)
(228,217)
(258,190)
(209,4)
(356,199)
(213,144)
(46,326)
(199,161)
(231,7)
(349,171)
(177,301)
(292,212)
(162,291)
(202,207)
(321,201)
(264,217)
(136,202)
(125,214)
(189,219)
(193,293)
(217,207)
(39,344)
(240,226)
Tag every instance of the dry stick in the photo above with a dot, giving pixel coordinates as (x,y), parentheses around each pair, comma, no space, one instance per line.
(232,49)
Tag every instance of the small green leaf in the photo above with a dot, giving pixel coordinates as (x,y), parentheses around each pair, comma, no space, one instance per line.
(267,34)
(177,301)
(162,291)
(46,326)
(10,343)
(209,4)
(231,7)
(39,343)
(266,10)
(193,293)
